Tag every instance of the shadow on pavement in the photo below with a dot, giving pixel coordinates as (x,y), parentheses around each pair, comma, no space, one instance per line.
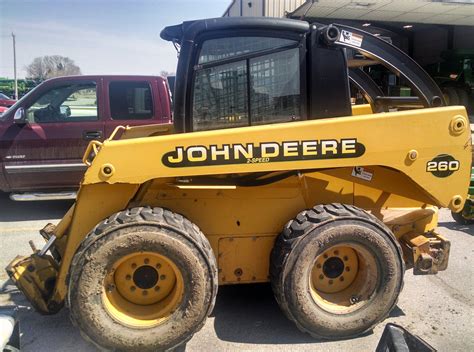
(250,314)
(27,211)
(41,333)
(243,314)
(469,229)
(396,312)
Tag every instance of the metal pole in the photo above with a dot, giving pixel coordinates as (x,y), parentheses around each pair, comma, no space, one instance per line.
(14,66)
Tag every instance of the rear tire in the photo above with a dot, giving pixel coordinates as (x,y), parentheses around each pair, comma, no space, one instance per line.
(451,95)
(463,97)
(144,279)
(336,271)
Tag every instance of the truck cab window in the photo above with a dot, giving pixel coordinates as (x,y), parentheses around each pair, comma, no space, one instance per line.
(263,87)
(69,103)
(130,100)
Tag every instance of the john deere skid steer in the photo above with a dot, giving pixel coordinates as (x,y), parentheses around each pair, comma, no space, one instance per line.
(268,174)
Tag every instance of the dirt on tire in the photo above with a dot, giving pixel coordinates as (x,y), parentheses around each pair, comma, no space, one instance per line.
(310,234)
(142,229)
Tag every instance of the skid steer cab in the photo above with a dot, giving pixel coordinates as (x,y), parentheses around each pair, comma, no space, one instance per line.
(268,174)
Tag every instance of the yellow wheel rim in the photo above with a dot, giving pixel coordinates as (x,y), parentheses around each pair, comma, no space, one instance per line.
(142,290)
(335,269)
(343,278)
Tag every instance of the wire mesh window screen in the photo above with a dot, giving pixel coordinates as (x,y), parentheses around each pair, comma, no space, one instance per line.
(224,48)
(259,90)
(220,97)
(275,87)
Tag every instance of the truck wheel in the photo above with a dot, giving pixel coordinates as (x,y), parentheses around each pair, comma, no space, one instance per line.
(463,97)
(451,95)
(460,219)
(336,271)
(144,279)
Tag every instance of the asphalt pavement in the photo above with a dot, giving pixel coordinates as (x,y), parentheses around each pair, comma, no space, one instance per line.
(439,308)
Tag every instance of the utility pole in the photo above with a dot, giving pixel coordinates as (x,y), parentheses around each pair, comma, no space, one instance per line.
(14,66)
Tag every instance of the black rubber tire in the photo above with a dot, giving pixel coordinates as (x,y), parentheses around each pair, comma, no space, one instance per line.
(129,231)
(451,94)
(310,234)
(460,219)
(463,97)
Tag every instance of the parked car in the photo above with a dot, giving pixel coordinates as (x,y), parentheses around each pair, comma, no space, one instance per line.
(44,135)
(5,101)
(2,110)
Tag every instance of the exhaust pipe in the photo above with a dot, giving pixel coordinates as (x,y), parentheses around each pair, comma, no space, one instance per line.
(331,34)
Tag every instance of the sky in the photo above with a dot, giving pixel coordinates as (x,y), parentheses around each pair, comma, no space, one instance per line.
(101,36)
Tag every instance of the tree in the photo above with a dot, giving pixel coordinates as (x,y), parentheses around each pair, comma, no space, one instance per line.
(45,67)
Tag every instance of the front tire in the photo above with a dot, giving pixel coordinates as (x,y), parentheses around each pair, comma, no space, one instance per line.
(336,271)
(144,279)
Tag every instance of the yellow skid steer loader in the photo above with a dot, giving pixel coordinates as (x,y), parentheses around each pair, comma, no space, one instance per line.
(267,174)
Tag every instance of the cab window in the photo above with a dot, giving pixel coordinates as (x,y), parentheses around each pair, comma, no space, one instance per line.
(225,48)
(130,100)
(242,81)
(68,103)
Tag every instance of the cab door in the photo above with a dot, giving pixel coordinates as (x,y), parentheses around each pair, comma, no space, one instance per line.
(47,151)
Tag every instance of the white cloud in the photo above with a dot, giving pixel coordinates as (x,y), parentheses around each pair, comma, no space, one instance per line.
(93,51)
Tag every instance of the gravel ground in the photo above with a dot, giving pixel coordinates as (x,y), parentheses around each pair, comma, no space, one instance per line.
(246,318)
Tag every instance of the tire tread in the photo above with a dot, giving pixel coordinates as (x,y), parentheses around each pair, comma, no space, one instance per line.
(302,224)
(142,216)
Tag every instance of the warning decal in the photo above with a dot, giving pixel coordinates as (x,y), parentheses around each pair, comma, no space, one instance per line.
(351,38)
(363,173)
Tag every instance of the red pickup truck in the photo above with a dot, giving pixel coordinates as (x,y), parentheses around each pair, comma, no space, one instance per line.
(5,101)
(44,135)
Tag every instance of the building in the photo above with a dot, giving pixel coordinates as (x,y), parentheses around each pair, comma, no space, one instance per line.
(257,8)
(433,32)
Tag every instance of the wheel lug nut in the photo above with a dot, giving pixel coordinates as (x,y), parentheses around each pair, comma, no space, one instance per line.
(321,277)
(134,265)
(145,292)
(330,282)
(341,278)
(336,252)
(146,260)
(162,277)
(158,266)
(128,277)
(346,258)
(318,266)
(354,299)
(348,268)
(325,255)
(157,288)
(132,288)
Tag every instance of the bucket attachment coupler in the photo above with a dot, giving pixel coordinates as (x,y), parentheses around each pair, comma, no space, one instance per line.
(427,253)
(36,276)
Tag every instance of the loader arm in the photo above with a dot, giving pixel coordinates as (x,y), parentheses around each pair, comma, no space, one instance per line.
(406,141)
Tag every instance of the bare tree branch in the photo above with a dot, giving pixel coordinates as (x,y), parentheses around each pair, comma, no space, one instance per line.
(45,67)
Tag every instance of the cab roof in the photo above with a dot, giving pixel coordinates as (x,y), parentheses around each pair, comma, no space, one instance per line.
(190,29)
